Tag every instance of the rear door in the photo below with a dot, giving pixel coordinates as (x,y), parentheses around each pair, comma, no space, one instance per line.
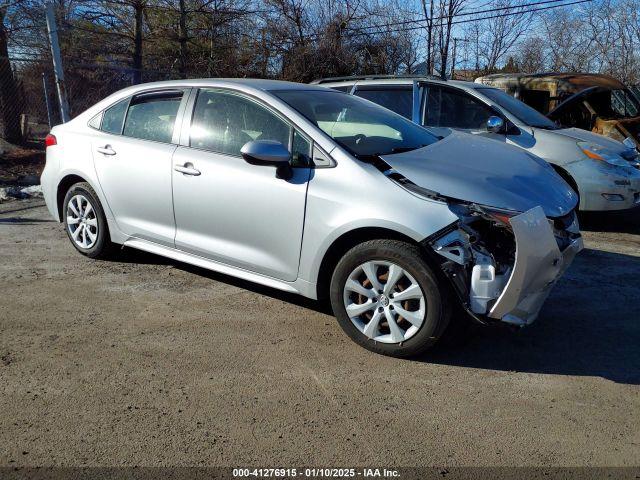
(132,155)
(228,210)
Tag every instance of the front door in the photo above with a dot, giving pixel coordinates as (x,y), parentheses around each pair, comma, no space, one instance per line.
(132,156)
(228,210)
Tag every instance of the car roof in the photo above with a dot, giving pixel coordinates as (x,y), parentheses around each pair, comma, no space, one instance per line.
(247,85)
(399,80)
(255,83)
(571,81)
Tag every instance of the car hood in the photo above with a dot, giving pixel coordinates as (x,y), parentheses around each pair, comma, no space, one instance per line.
(480,170)
(587,136)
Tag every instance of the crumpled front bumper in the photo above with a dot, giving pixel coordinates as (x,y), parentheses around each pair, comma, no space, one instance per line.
(539,263)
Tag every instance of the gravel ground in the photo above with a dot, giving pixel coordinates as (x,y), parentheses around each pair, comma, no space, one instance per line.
(142,361)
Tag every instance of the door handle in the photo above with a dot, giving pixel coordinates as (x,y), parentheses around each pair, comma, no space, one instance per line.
(187,169)
(106,150)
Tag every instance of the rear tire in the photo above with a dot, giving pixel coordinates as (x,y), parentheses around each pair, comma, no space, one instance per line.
(368,301)
(85,222)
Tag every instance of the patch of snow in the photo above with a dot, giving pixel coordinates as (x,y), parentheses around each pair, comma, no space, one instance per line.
(20,193)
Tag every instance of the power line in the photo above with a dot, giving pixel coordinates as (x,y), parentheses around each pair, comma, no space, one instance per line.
(461,14)
(358,32)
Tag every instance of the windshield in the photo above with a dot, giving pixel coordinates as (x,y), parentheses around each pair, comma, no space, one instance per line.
(361,127)
(518,109)
(624,103)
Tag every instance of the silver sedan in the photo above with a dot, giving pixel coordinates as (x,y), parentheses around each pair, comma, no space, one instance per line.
(311,191)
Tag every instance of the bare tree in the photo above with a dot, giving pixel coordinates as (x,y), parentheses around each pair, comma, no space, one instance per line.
(429,20)
(492,37)
(530,57)
(569,47)
(8,85)
(447,11)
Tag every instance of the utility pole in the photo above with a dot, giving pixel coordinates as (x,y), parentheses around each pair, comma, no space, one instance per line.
(52,28)
(453,56)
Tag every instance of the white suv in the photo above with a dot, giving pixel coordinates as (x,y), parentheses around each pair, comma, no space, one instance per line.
(604,172)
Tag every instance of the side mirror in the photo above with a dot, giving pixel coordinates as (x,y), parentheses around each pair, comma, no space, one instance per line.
(268,153)
(495,124)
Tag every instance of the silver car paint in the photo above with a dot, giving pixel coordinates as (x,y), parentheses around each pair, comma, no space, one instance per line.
(239,214)
(505,178)
(339,200)
(136,186)
(558,147)
(333,200)
(539,263)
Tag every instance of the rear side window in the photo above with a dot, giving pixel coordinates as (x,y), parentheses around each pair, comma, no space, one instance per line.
(399,100)
(342,88)
(113,117)
(152,116)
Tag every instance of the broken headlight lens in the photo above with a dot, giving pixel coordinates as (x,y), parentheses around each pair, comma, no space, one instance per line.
(498,215)
(598,152)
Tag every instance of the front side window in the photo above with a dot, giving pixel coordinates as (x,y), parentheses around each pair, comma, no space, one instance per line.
(518,109)
(446,107)
(399,100)
(224,122)
(152,116)
(362,128)
(113,117)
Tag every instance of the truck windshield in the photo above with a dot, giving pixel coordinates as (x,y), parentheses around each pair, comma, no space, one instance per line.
(518,109)
(361,127)
(624,103)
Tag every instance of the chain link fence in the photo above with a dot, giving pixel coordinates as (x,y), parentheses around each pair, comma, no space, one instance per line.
(24,99)
(29,99)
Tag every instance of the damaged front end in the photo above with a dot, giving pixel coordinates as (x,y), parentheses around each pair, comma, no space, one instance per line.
(502,259)
(503,264)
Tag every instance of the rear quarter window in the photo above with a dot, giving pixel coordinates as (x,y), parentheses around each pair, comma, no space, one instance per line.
(113,117)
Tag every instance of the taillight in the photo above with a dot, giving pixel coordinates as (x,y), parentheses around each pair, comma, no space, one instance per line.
(50,140)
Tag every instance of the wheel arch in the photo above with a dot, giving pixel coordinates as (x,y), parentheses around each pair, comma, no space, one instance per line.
(64,185)
(567,177)
(344,243)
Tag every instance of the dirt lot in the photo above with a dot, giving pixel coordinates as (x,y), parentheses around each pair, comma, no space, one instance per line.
(145,362)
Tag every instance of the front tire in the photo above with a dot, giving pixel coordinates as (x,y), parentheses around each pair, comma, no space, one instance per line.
(388,300)
(85,222)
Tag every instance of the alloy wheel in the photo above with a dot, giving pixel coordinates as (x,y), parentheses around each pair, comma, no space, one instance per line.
(82,222)
(384,301)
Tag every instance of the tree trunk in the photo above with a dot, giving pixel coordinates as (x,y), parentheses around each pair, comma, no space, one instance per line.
(444,48)
(9,98)
(183,38)
(429,17)
(137,42)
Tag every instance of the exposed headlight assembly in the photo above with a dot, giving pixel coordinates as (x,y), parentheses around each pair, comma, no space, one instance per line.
(598,152)
(498,216)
